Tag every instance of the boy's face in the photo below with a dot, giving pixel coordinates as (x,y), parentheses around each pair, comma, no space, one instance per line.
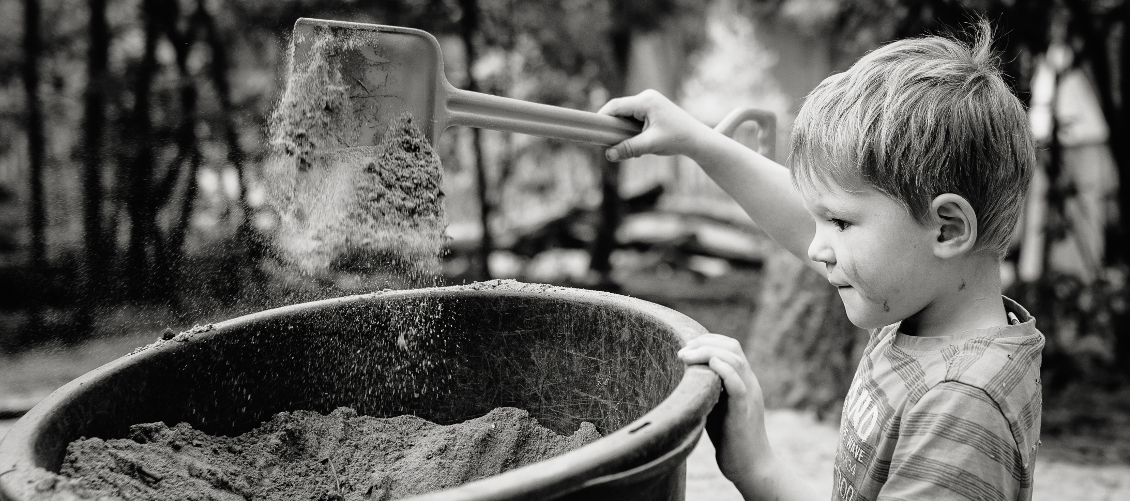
(877,255)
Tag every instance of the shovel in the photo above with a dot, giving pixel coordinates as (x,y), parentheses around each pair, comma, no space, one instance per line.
(400,70)
(396,70)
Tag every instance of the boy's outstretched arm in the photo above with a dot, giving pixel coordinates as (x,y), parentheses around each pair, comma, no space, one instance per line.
(761,186)
(744,454)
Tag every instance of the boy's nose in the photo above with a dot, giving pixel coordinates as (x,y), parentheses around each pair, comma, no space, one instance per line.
(819,250)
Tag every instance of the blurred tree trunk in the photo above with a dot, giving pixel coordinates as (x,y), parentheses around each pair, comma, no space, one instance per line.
(1121,147)
(620,43)
(94,123)
(170,251)
(801,344)
(37,216)
(610,217)
(140,203)
(175,247)
(468,28)
(251,247)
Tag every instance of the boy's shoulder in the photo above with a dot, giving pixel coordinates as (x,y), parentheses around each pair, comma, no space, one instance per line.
(983,358)
(1000,366)
(999,359)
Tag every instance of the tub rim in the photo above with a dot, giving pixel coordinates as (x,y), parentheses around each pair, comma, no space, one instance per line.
(678,419)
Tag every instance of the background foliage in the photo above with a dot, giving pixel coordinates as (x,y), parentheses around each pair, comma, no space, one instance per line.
(131,132)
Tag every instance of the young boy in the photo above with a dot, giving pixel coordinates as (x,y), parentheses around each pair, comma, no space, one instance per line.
(907,176)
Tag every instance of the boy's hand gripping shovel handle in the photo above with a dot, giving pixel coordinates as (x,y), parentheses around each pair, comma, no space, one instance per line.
(474,109)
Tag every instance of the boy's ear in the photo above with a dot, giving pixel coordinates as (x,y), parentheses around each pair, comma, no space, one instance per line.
(955,225)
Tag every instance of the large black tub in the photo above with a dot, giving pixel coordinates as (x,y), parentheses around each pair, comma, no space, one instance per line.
(444,354)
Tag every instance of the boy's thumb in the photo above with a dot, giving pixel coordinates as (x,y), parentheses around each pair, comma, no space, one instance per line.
(622,151)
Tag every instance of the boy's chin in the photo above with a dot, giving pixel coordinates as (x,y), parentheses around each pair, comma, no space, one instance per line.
(867,323)
(868,316)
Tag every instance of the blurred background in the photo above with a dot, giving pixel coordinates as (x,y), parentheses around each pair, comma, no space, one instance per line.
(133,133)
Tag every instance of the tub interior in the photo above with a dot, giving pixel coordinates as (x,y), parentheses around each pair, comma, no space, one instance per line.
(445,357)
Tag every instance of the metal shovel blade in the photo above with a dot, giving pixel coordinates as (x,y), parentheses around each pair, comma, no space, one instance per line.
(392,70)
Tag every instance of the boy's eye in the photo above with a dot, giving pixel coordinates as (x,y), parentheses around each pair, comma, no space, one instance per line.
(840,224)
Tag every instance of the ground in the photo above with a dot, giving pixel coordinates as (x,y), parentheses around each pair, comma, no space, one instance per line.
(810,446)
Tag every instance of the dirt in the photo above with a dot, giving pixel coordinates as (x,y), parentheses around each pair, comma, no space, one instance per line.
(315,112)
(398,219)
(342,205)
(304,455)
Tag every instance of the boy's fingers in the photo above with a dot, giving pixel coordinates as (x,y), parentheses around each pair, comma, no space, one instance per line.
(703,355)
(612,107)
(731,379)
(635,106)
(644,106)
(622,151)
(716,341)
(631,106)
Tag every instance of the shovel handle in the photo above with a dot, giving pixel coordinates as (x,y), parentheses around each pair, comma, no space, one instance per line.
(766,124)
(474,109)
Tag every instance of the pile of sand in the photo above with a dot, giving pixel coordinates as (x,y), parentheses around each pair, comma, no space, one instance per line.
(306,455)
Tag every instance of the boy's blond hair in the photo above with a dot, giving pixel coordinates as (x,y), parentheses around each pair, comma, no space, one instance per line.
(918,118)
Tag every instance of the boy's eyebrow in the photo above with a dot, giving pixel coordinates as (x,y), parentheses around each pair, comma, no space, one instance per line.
(820,208)
(819,211)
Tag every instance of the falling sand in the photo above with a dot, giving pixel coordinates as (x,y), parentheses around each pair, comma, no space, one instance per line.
(368,209)
(344,206)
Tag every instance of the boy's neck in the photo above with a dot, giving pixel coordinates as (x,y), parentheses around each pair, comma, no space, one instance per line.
(969,298)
